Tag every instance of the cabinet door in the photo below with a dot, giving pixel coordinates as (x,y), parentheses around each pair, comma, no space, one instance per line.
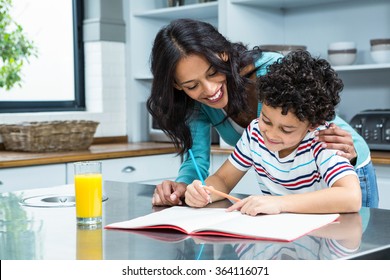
(136,169)
(383,179)
(41,176)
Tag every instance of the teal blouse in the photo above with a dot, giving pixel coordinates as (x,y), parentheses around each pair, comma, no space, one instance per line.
(206,117)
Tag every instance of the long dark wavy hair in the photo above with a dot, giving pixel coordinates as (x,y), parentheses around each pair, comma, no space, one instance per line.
(172,108)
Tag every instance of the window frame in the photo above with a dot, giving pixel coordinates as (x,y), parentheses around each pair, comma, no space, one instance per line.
(78,104)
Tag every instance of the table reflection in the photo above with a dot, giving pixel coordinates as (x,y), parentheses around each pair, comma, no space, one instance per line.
(334,241)
(20,234)
(89,242)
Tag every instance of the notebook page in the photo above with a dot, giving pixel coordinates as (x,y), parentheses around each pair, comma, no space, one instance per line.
(186,218)
(285,226)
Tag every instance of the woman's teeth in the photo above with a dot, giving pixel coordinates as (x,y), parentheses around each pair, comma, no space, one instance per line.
(215,96)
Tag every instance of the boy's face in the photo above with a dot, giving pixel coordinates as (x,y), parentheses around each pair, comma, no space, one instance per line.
(282,133)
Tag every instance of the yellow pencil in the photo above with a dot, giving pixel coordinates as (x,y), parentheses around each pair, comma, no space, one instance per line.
(228,196)
(203,183)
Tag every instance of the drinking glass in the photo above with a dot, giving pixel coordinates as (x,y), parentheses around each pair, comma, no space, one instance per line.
(88,192)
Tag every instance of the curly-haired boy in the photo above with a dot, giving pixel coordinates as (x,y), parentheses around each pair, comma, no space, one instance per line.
(294,172)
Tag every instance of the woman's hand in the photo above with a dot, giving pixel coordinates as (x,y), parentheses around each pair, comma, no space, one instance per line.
(258,204)
(338,139)
(196,195)
(168,193)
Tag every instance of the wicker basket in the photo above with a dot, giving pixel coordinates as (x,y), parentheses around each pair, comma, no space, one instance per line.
(48,136)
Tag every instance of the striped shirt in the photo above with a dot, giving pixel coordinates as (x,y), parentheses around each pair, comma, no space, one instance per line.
(308,168)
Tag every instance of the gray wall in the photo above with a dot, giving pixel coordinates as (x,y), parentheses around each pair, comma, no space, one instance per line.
(103,21)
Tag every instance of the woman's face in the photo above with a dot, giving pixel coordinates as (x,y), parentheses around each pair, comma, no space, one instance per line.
(200,81)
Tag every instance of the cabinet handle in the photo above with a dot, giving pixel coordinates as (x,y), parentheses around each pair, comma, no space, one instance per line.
(128,169)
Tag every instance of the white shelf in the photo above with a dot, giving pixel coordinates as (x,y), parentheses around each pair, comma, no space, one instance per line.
(200,11)
(359,67)
(362,67)
(285,4)
(145,77)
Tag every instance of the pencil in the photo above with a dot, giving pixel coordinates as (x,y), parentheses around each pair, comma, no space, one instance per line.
(225,195)
(203,183)
(196,167)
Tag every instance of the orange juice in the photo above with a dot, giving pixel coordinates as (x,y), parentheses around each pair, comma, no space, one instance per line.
(89,244)
(88,190)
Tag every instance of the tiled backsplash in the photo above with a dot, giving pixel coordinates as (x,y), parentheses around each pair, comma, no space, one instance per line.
(104,88)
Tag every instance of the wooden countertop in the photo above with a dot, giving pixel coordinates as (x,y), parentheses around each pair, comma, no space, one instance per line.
(119,150)
(380,157)
(95,152)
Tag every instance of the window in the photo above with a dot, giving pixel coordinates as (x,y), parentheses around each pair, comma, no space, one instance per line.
(54,80)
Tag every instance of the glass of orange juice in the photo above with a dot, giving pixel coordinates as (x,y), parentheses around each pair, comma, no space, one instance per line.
(88,192)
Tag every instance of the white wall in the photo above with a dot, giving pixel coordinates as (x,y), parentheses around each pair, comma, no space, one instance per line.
(104,89)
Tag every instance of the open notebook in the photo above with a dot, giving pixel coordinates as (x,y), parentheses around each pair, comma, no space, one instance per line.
(216,221)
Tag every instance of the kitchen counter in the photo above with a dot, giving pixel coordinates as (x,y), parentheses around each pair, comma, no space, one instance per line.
(95,152)
(119,150)
(51,233)
(380,157)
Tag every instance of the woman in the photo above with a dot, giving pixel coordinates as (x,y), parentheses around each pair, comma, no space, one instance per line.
(201,79)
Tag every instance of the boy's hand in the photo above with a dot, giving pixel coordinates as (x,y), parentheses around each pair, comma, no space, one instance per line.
(258,204)
(196,195)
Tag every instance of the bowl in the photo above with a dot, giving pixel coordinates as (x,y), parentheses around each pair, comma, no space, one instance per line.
(380,47)
(339,46)
(342,53)
(381,56)
(342,57)
(376,42)
(283,49)
(338,59)
(380,44)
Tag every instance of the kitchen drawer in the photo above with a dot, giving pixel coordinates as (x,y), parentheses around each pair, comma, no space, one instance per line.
(135,169)
(41,176)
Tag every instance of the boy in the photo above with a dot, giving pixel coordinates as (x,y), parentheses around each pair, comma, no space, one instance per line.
(295,174)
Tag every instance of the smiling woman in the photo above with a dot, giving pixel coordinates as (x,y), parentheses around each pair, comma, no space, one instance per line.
(54,79)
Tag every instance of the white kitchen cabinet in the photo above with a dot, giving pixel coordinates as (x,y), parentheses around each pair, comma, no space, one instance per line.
(145,169)
(256,22)
(247,185)
(41,176)
(383,180)
(316,24)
